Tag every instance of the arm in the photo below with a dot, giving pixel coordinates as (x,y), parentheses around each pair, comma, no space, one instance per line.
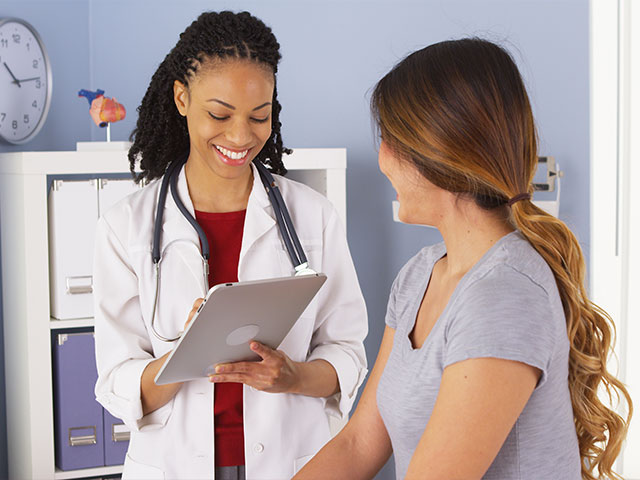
(363,446)
(123,348)
(473,431)
(277,373)
(155,396)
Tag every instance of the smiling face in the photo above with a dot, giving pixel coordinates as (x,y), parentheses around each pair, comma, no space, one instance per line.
(228,111)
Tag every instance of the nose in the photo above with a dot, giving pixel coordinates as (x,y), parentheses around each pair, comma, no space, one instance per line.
(239,133)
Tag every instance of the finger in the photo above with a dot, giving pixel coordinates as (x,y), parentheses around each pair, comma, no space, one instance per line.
(229,378)
(193,311)
(262,350)
(236,367)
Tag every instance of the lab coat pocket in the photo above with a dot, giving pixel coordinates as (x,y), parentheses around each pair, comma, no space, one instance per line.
(139,471)
(300,462)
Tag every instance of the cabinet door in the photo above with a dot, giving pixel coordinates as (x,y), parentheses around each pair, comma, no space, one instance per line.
(73,213)
(112,191)
(78,417)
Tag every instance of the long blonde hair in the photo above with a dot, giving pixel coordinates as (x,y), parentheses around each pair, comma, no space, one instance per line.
(459,112)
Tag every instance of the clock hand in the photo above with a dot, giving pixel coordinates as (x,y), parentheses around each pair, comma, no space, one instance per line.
(29,79)
(15,80)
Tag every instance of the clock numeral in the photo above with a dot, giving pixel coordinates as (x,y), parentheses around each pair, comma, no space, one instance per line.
(14,124)
(26,118)
(35,104)
(4,43)
(28,47)
(16,38)
(35,64)
(38,83)
(3,115)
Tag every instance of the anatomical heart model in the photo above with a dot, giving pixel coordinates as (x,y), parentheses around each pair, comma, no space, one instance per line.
(103,110)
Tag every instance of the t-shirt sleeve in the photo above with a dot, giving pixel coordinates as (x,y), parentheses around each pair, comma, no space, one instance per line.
(390,318)
(503,315)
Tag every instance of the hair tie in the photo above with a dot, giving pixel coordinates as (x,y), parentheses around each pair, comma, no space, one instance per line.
(517,198)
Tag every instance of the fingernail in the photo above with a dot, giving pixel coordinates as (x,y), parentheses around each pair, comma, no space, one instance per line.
(219,369)
(213,378)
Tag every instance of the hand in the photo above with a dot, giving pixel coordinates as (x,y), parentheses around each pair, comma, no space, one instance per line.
(275,373)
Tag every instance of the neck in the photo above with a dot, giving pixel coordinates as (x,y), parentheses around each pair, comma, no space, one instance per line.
(210,192)
(468,233)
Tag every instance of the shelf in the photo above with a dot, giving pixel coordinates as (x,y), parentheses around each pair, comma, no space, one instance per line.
(87,472)
(55,324)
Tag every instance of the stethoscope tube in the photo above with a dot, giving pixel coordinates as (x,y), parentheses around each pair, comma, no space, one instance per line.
(290,238)
(283,220)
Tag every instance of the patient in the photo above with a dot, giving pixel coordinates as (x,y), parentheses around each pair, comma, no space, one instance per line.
(493,354)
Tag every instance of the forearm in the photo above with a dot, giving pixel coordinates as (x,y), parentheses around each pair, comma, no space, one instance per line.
(351,455)
(317,378)
(155,396)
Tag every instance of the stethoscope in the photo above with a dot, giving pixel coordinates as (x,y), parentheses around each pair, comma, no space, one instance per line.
(283,219)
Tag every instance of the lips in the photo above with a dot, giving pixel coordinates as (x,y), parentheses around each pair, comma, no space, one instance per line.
(232,157)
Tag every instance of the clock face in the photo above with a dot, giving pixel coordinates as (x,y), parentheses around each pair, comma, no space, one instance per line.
(25,81)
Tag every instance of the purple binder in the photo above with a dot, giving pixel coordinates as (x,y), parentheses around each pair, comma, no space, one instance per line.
(78,417)
(116,440)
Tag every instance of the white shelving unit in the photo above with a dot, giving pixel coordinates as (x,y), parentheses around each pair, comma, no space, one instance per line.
(25,287)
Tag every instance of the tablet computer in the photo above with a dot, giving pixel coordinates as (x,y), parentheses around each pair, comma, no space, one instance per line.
(231,316)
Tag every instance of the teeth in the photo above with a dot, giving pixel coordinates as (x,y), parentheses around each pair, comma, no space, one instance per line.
(232,155)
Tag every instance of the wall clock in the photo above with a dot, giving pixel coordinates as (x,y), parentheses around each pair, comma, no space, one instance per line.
(25,81)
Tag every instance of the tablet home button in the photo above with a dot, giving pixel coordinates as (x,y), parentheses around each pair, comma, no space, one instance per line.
(242,335)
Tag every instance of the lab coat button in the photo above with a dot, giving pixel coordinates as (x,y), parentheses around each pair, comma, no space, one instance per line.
(258,448)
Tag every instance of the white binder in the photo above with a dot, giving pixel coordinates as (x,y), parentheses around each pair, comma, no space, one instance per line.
(73,212)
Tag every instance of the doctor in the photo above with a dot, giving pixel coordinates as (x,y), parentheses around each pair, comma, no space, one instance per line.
(213,102)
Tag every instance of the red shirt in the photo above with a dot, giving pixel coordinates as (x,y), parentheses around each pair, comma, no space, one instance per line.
(224,234)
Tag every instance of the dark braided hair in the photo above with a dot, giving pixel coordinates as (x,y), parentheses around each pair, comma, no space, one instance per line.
(161,134)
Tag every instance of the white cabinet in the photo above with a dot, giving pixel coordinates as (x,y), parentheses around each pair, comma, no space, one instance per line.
(25,260)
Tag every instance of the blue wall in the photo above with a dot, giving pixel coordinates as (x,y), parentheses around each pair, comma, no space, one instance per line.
(333,53)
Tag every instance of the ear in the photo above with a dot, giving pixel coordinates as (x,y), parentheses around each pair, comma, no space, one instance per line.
(181,97)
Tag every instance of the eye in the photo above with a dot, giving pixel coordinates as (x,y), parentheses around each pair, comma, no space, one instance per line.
(261,120)
(217,118)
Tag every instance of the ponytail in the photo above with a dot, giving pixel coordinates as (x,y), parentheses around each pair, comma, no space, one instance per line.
(601,431)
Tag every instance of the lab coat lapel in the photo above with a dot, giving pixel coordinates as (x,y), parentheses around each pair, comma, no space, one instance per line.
(176,228)
(258,220)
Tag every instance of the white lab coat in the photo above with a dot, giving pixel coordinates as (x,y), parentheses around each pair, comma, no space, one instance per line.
(282,431)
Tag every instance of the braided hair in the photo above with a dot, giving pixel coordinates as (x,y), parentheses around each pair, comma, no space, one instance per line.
(161,133)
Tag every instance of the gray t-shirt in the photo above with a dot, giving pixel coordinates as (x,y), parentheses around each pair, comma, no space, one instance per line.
(507,306)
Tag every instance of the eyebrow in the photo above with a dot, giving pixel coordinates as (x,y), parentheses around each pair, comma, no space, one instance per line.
(232,107)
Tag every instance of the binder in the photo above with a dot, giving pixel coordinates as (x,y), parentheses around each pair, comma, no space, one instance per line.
(73,213)
(78,418)
(116,440)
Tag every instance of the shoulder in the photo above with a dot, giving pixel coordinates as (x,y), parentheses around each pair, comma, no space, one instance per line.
(515,267)
(512,283)
(300,191)
(306,203)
